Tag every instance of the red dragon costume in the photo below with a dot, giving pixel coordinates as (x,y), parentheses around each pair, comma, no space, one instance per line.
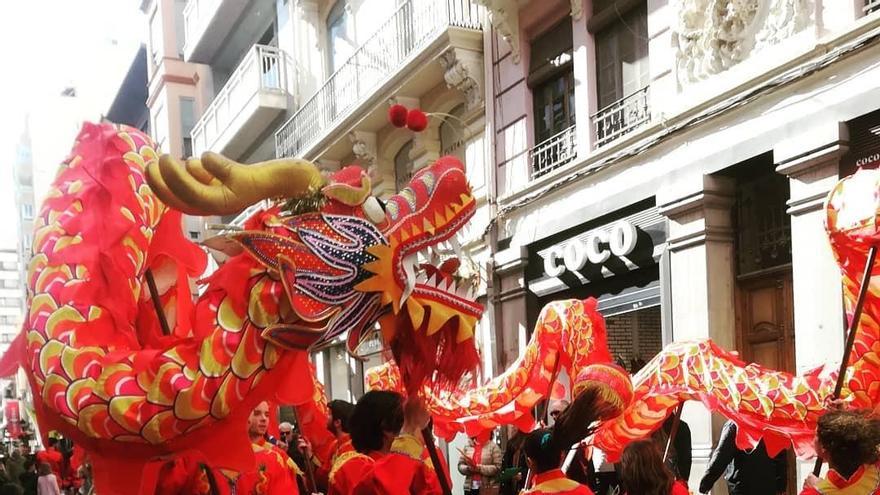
(100,367)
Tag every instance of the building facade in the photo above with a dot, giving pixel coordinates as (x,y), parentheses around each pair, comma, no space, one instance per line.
(684,189)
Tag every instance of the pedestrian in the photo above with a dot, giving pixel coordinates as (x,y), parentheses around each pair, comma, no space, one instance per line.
(643,472)
(480,463)
(29,477)
(47,483)
(753,472)
(514,466)
(680,455)
(848,440)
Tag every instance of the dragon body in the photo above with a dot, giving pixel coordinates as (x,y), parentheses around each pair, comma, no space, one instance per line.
(103,372)
(780,408)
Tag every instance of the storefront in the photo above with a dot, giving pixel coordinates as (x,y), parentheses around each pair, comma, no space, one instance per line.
(618,259)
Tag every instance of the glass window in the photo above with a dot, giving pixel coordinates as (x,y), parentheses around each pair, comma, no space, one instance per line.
(452,130)
(622,57)
(552,81)
(179,26)
(187,122)
(340,38)
(403,166)
(27,211)
(156,37)
(160,128)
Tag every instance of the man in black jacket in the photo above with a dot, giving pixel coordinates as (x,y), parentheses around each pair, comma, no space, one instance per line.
(747,473)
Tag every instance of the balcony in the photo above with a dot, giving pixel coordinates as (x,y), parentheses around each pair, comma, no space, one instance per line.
(553,153)
(253,97)
(208,23)
(393,61)
(621,117)
(871,6)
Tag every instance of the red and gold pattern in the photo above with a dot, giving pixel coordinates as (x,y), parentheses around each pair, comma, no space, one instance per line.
(779,407)
(96,357)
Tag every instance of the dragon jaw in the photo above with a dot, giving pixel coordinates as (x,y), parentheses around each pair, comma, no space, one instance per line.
(410,272)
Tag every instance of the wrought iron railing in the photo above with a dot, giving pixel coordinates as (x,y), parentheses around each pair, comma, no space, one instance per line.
(553,152)
(621,117)
(374,62)
(263,69)
(871,6)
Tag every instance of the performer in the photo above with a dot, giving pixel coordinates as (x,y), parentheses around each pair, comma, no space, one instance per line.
(337,424)
(276,473)
(51,456)
(643,471)
(848,440)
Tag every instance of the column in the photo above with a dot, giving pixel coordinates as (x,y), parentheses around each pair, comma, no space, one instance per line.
(584,72)
(813,170)
(702,282)
(509,306)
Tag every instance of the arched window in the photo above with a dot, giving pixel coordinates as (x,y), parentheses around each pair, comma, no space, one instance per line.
(452,138)
(403,166)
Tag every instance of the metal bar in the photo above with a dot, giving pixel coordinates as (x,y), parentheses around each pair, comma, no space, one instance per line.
(851,335)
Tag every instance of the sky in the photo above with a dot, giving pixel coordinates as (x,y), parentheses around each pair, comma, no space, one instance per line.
(48,45)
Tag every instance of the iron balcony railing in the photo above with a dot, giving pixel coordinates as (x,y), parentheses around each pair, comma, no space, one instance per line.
(264,69)
(374,62)
(553,152)
(871,6)
(621,117)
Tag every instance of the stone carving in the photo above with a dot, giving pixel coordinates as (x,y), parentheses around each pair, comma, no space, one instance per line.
(463,70)
(711,36)
(363,146)
(505,19)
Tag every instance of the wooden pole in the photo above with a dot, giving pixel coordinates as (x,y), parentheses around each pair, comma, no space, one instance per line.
(310,475)
(675,422)
(428,437)
(157,304)
(851,335)
(546,413)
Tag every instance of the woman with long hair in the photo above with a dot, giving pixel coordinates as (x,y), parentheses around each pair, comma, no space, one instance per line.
(643,471)
(848,440)
(47,483)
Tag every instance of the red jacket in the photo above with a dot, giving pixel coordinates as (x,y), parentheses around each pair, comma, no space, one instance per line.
(554,482)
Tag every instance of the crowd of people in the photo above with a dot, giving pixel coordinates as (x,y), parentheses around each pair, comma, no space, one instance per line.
(378,449)
(55,470)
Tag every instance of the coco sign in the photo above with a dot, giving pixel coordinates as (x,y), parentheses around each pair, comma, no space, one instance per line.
(597,248)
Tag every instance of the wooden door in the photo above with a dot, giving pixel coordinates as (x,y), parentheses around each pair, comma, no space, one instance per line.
(765,333)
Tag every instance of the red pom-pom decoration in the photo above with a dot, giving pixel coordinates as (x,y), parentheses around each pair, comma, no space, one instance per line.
(416,120)
(397,115)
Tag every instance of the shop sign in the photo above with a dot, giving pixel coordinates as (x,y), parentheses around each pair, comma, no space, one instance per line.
(868,160)
(597,248)
(13,418)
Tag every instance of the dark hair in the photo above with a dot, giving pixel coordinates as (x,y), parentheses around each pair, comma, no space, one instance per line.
(52,441)
(849,438)
(546,445)
(642,470)
(44,468)
(341,410)
(378,411)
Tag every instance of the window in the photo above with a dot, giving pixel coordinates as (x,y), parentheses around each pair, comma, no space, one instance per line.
(9,265)
(160,128)
(156,44)
(10,283)
(179,26)
(452,138)
(403,166)
(552,81)
(622,56)
(340,38)
(27,211)
(187,122)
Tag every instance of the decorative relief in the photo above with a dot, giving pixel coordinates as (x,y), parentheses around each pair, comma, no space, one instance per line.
(505,20)
(463,70)
(711,36)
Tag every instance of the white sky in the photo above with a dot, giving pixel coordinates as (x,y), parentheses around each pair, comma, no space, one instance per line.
(48,45)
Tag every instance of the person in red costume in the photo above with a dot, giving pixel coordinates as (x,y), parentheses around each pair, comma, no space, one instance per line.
(337,424)
(643,471)
(51,456)
(545,448)
(275,473)
(373,468)
(848,440)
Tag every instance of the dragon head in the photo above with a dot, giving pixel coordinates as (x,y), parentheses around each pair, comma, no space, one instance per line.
(345,263)
(418,272)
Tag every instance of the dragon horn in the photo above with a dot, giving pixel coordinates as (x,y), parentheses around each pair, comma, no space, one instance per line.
(216,185)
